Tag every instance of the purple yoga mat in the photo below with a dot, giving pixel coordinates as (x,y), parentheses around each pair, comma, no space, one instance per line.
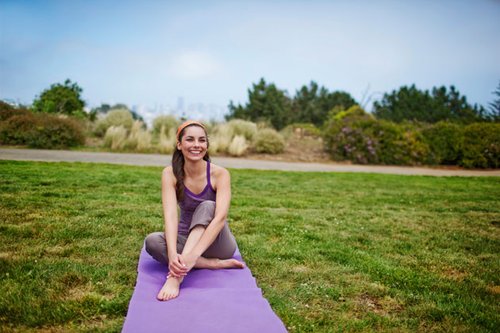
(218,301)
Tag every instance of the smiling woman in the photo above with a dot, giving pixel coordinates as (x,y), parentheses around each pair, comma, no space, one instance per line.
(201,238)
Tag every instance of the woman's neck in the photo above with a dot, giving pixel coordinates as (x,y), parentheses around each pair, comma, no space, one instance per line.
(194,169)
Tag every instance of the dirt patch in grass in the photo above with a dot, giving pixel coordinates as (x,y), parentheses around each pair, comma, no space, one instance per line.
(494,289)
(383,306)
(454,274)
(300,269)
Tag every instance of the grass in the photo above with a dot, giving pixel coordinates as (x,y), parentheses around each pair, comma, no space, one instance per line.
(331,251)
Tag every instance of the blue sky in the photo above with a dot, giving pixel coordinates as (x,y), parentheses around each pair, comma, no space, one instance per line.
(148,54)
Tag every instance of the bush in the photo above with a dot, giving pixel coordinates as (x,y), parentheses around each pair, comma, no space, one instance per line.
(445,142)
(269,141)
(41,131)
(350,139)
(221,138)
(117,117)
(354,111)
(143,141)
(243,127)
(167,142)
(481,146)
(362,139)
(167,122)
(301,130)
(7,111)
(238,146)
(399,144)
(138,139)
(115,137)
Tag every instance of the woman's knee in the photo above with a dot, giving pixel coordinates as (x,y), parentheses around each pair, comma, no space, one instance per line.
(207,207)
(154,243)
(204,213)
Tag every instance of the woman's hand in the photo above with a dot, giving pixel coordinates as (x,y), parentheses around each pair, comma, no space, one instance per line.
(189,260)
(177,266)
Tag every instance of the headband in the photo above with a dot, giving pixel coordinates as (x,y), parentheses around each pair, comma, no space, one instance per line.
(186,124)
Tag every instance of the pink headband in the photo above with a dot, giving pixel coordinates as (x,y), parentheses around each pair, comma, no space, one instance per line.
(186,124)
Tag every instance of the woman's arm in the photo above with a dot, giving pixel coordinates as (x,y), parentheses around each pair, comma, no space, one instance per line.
(169,201)
(222,185)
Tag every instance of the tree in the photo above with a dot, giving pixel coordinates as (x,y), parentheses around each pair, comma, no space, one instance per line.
(410,103)
(495,105)
(312,104)
(61,98)
(265,103)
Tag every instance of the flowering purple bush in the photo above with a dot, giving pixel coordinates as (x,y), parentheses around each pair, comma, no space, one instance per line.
(362,139)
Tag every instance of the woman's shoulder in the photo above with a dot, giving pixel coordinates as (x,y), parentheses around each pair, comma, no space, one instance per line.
(168,174)
(218,175)
(168,169)
(217,170)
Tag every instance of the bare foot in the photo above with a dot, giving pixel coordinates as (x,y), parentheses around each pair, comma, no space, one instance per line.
(229,263)
(170,289)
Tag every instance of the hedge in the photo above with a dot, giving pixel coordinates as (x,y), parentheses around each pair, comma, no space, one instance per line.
(362,139)
(41,131)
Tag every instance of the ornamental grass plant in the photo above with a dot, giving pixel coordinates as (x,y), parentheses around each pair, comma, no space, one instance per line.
(238,146)
(116,118)
(166,144)
(115,137)
(269,141)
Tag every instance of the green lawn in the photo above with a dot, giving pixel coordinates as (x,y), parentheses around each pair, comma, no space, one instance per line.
(331,251)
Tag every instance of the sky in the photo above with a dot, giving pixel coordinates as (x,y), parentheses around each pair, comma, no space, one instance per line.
(162,57)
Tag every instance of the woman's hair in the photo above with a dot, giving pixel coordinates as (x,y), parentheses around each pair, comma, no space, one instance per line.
(178,160)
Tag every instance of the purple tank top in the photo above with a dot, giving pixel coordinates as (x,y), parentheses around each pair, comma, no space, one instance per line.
(191,201)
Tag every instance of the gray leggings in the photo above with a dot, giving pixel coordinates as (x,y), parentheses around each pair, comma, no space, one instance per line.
(223,246)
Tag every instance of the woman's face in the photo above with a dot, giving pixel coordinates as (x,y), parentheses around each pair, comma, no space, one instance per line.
(194,143)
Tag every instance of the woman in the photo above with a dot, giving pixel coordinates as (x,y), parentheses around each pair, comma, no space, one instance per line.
(201,238)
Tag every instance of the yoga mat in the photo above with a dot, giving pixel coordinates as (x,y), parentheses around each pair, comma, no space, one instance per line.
(218,301)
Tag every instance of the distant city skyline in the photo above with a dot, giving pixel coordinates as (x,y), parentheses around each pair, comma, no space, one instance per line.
(147,55)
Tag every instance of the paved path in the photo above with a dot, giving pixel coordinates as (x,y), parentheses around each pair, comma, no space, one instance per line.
(237,163)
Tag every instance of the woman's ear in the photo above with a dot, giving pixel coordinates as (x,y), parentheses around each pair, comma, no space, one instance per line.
(178,145)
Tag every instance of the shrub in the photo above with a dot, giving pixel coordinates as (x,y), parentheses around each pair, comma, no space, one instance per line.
(481,146)
(18,130)
(143,141)
(269,141)
(223,135)
(347,139)
(166,122)
(362,139)
(167,142)
(238,146)
(243,127)
(445,142)
(138,138)
(221,138)
(399,144)
(41,131)
(115,137)
(7,111)
(301,130)
(116,117)
(353,111)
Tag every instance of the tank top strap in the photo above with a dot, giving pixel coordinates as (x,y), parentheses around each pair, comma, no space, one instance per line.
(209,183)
